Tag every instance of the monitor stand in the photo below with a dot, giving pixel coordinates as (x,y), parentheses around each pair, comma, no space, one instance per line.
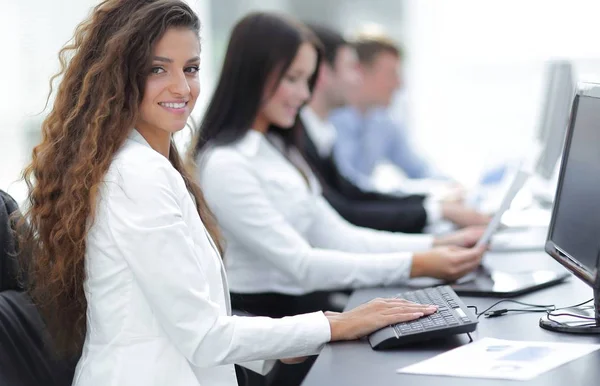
(563,320)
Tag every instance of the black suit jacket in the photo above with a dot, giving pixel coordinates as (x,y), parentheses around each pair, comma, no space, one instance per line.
(371,210)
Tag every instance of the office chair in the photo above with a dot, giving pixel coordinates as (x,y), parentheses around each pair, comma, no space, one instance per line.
(26,355)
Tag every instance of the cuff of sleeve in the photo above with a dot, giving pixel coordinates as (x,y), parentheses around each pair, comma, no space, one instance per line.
(318,331)
(397,266)
(433,208)
(407,267)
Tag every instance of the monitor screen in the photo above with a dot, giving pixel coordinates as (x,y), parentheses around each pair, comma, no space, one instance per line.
(560,89)
(575,226)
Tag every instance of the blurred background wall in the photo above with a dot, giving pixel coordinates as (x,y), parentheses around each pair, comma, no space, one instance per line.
(473,71)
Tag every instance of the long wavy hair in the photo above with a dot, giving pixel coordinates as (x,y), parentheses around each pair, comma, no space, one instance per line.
(103,70)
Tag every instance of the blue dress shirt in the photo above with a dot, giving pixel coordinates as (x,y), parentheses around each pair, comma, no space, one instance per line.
(365,140)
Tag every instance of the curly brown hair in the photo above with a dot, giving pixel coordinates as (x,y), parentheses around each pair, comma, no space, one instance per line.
(103,72)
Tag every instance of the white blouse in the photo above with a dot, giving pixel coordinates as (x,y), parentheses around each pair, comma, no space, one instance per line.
(158,301)
(282,236)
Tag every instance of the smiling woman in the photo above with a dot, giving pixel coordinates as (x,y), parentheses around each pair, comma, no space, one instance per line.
(281,108)
(127,267)
(171,89)
(261,86)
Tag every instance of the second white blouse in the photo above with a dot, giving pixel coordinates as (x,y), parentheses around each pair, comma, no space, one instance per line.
(281,234)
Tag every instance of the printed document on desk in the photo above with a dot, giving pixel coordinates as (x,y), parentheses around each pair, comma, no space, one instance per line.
(501,359)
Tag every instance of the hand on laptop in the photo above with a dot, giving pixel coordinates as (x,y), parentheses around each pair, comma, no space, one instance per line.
(447,263)
(462,215)
(466,237)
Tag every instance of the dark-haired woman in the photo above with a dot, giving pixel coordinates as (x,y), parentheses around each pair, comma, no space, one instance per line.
(285,244)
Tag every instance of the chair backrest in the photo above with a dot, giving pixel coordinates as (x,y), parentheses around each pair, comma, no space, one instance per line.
(9,272)
(26,354)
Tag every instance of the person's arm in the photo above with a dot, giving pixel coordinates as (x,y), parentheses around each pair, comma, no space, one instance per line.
(330,230)
(402,214)
(369,209)
(236,197)
(146,223)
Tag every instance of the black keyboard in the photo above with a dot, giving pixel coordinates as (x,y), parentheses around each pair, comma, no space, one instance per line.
(452,318)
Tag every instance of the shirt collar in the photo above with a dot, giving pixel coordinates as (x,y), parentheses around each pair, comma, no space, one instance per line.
(322,133)
(135,136)
(249,144)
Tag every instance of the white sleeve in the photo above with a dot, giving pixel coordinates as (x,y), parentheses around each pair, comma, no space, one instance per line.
(145,220)
(236,198)
(433,208)
(330,230)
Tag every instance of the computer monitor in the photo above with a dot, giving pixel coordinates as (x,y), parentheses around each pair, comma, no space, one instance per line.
(559,92)
(574,233)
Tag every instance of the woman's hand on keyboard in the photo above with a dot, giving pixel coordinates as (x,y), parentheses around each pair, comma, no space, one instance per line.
(447,263)
(374,315)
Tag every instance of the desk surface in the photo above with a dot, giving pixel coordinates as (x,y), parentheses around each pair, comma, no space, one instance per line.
(356,364)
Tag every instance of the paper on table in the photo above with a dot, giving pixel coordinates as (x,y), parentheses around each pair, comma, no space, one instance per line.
(501,359)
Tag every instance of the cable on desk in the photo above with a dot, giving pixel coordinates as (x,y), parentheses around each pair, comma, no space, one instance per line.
(474,307)
(547,308)
(577,305)
(529,308)
(551,314)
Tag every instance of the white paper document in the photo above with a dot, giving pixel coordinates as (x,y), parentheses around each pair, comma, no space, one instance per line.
(501,359)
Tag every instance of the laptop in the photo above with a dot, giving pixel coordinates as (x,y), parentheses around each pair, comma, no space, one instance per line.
(527,231)
(493,283)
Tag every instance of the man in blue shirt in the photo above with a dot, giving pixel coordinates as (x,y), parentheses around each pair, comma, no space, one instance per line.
(315,138)
(367,134)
